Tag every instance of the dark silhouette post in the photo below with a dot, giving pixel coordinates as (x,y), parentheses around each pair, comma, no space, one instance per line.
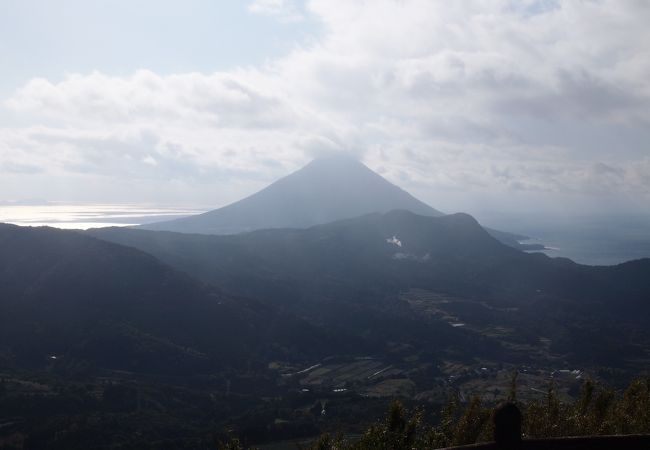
(507,426)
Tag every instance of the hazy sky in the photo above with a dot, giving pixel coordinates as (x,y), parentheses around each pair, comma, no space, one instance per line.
(470,105)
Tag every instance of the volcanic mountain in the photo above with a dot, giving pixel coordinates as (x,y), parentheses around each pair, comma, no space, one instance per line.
(325,190)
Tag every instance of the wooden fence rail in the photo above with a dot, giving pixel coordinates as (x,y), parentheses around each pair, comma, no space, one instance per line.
(616,442)
(507,436)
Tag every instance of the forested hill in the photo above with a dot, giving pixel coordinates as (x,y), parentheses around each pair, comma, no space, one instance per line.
(398,249)
(68,295)
(365,275)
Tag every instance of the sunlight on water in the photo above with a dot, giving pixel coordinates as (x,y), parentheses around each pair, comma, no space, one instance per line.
(89,215)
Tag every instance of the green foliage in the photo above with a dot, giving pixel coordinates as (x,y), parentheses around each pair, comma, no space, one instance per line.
(232,444)
(131,415)
(398,430)
(472,424)
(598,411)
(327,442)
(634,410)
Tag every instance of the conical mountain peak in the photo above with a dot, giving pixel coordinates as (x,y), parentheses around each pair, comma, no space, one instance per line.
(335,160)
(327,189)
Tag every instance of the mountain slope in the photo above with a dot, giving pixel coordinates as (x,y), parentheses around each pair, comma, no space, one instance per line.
(394,250)
(325,190)
(361,275)
(63,294)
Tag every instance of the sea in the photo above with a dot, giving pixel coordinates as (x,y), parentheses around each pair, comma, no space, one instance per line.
(83,216)
(595,239)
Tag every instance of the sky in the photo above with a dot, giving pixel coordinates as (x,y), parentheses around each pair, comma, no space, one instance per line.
(499,105)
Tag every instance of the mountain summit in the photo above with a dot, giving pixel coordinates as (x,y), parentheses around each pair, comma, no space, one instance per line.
(325,190)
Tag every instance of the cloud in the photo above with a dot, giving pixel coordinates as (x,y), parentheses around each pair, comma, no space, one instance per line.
(227,100)
(285,10)
(442,97)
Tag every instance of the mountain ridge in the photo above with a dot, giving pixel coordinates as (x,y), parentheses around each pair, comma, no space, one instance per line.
(455,245)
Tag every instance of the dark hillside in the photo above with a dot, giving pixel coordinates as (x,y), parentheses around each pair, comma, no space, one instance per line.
(67,295)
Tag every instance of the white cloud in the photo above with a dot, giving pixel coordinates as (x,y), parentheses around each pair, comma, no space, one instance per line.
(285,10)
(464,97)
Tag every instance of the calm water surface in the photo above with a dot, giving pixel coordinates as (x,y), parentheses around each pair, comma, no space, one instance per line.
(89,215)
(586,239)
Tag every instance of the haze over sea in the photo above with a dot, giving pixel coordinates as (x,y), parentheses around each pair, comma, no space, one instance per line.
(88,215)
(595,239)
(586,239)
